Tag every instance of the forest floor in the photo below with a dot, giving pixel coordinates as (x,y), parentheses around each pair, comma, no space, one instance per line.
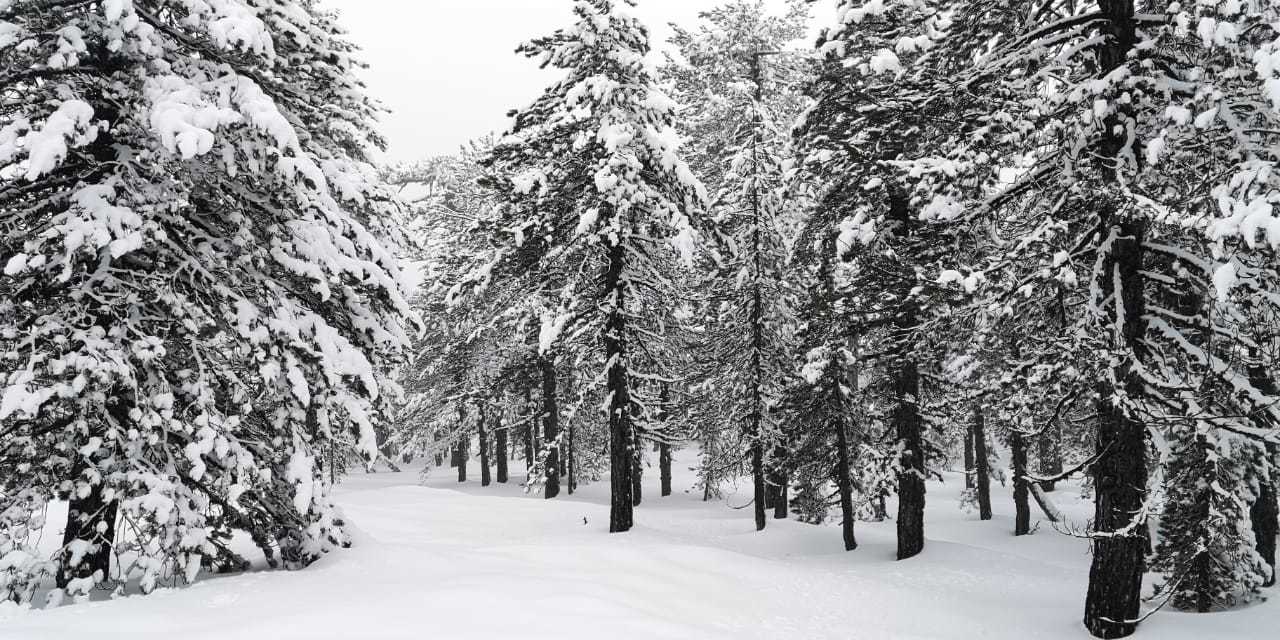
(435,559)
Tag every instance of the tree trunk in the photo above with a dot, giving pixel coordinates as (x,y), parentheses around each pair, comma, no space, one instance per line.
(637,468)
(911,497)
(664,467)
(1264,513)
(621,439)
(1051,453)
(1120,476)
(968,459)
(845,485)
(982,464)
(463,449)
(91,518)
(550,426)
(485,478)
(529,420)
(1021,502)
(500,448)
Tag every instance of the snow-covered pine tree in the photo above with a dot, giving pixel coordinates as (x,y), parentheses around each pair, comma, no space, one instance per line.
(739,92)
(1206,544)
(199,290)
(598,201)
(873,109)
(1094,126)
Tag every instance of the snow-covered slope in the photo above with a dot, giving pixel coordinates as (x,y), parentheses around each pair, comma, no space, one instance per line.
(462,562)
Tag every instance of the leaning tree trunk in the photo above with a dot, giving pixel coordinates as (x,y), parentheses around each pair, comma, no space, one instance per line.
(1021,501)
(982,463)
(550,426)
(1120,476)
(621,438)
(485,478)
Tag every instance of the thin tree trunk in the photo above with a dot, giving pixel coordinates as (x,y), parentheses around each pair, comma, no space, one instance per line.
(982,463)
(1051,453)
(463,449)
(1021,502)
(485,478)
(664,467)
(550,426)
(637,469)
(844,484)
(755,420)
(529,420)
(500,448)
(968,459)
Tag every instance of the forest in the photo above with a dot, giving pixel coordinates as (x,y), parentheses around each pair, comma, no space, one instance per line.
(969,297)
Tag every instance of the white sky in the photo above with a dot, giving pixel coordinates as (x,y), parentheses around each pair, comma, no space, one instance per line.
(448,70)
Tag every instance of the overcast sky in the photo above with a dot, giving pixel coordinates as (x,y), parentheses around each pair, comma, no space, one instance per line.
(447,68)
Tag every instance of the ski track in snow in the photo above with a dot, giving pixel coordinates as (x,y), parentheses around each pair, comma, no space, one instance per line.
(464,562)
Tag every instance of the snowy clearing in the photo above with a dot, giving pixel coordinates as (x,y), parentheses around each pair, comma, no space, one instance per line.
(461,561)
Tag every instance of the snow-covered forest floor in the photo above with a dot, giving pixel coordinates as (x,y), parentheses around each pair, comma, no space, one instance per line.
(460,561)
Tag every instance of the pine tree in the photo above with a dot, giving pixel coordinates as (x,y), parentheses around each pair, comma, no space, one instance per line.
(1207,546)
(200,289)
(738,89)
(597,200)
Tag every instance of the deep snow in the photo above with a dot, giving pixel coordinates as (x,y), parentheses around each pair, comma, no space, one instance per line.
(460,562)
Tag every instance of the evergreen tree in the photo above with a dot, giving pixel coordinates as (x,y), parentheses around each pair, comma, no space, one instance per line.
(597,201)
(200,288)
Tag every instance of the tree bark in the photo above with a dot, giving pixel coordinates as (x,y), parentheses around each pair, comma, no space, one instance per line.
(485,477)
(637,469)
(621,437)
(1264,513)
(1114,596)
(844,484)
(463,452)
(1021,501)
(550,426)
(1050,453)
(664,467)
(968,458)
(500,448)
(982,464)
(529,420)
(911,491)
(91,518)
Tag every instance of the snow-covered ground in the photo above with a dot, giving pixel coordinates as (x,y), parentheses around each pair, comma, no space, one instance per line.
(460,562)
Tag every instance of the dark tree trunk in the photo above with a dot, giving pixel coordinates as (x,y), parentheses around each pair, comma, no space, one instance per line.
(664,467)
(637,469)
(759,496)
(1051,453)
(485,478)
(1120,476)
(845,484)
(500,448)
(968,459)
(529,421)
(982,464)
(550,426)
(91,518)
(572,456)
(755,421)
(464,452)
(1021,502)
(439,459)
(1264,513)
(621,438)
(906,420)
(780,498)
